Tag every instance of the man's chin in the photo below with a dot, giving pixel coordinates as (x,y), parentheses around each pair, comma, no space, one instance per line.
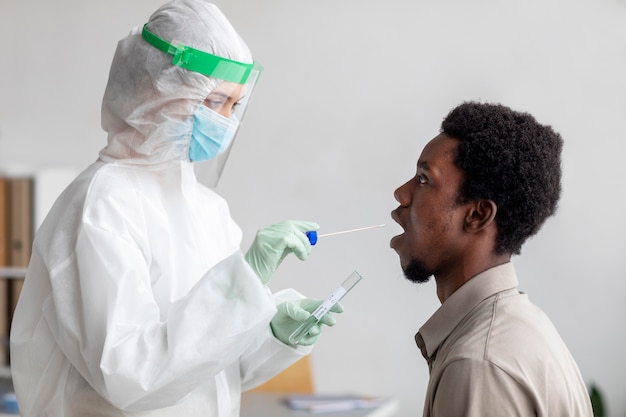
(417,272)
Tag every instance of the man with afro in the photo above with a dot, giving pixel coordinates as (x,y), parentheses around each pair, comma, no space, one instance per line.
(483,186)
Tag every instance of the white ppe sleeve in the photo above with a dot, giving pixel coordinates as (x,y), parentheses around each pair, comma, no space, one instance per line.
(107,322)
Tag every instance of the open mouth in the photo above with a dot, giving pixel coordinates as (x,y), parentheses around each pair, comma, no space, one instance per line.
(395,217)
(394,240)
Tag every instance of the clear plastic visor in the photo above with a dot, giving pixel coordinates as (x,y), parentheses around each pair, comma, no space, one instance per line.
(230,100)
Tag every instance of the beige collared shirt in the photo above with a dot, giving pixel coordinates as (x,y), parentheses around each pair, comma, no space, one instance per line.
(491,352)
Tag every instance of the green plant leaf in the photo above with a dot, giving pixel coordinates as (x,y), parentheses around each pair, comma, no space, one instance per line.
(597,401)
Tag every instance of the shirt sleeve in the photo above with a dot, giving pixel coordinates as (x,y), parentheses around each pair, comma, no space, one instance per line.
(477,388)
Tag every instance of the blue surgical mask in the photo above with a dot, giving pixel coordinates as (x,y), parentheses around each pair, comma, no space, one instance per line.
(212,134)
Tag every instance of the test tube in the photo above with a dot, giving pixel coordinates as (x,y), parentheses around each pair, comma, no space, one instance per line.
(325,307)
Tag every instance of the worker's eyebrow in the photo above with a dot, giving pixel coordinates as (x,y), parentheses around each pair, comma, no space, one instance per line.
(225,96)
(423,165)
(219,94)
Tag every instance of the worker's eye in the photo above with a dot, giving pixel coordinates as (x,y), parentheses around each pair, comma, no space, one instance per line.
(216,100)
(422,179)
(214,104)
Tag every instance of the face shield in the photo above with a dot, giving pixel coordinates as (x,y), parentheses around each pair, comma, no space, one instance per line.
(218,118)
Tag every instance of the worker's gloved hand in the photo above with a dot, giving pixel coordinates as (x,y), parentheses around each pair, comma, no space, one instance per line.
(292,313)
(272,244)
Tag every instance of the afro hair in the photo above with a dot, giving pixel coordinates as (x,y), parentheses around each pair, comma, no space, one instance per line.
(511,159)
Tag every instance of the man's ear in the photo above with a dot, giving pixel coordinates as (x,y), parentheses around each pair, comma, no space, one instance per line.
(481,214)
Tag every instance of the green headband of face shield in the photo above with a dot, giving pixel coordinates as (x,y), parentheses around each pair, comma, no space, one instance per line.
(202,62)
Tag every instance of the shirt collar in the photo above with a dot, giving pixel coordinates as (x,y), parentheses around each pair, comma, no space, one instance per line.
(460,303)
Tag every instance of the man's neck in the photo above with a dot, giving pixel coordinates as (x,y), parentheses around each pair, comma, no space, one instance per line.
(450,281)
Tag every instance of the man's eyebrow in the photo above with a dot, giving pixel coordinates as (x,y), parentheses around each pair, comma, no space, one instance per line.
(423,165)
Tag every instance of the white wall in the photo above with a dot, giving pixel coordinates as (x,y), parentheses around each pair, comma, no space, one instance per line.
(352,90)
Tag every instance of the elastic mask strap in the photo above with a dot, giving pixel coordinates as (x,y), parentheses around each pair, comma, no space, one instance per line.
(199,61)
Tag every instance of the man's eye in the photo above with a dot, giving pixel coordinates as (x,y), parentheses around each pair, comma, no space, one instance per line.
(421,179)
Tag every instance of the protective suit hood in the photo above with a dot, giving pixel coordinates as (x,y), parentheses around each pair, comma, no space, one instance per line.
(148,105)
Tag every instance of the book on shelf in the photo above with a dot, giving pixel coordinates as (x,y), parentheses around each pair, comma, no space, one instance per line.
(16,234)
(320,403)
(4,262)
(20,231)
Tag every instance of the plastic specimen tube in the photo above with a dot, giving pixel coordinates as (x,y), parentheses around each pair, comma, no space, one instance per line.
(325,307)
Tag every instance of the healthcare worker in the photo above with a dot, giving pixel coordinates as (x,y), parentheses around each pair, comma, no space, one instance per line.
(137,300)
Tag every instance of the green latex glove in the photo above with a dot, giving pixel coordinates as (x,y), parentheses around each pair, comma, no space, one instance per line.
(292,313)
(272,244)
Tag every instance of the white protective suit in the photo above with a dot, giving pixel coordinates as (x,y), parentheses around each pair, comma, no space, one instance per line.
(137,300)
